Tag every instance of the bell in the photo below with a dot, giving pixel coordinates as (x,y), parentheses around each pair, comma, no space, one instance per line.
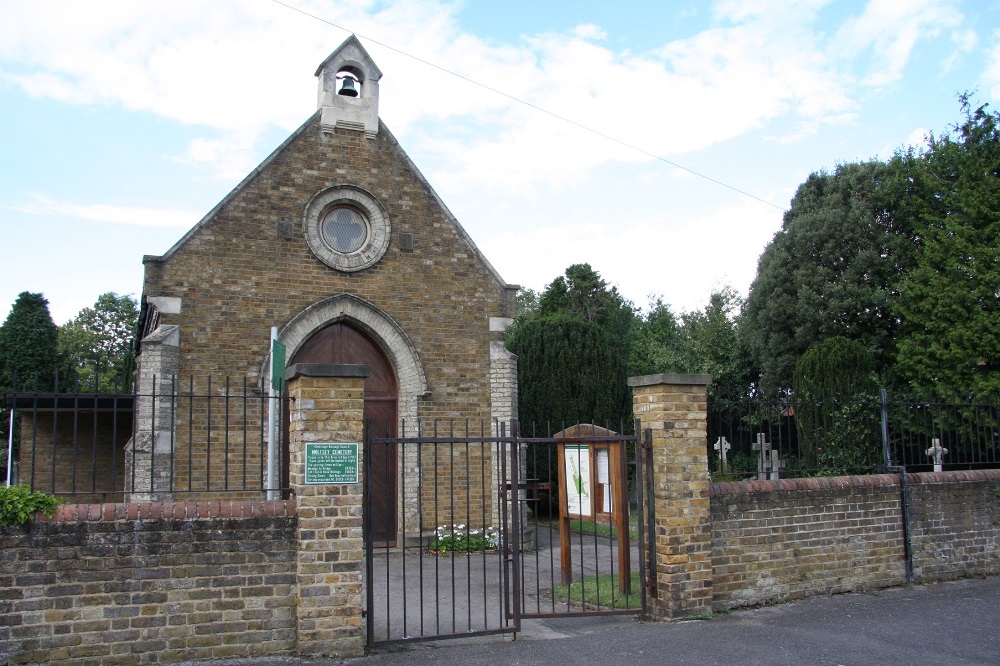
(348,89)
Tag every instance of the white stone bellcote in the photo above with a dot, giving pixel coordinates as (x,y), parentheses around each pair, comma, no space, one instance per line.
(349,69)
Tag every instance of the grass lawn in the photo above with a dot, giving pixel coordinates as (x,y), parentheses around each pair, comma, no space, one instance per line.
(603,529)
(594,588)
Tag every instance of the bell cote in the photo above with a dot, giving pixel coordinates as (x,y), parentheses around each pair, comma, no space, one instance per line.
(348,89)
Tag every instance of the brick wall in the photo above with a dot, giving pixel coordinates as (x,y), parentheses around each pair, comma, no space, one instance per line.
(149,583)
(248,267)
(780,540)
(955,523)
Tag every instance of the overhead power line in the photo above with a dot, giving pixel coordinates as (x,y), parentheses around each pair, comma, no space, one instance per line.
(540,109)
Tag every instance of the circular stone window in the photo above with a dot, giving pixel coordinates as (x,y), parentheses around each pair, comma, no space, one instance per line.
(346,228)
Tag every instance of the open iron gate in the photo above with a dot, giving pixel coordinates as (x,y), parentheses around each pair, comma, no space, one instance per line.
(461,486)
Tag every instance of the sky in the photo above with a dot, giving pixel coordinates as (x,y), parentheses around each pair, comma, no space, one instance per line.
(658,141)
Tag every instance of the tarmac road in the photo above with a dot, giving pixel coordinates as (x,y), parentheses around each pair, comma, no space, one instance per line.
(952,623)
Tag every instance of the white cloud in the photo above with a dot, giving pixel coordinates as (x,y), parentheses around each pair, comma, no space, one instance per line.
(241,69)
(644,257)
(991,74)
(917,137)
(134,216)
(891,29)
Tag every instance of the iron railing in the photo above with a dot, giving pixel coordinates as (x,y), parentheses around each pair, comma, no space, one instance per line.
(770,437)
(183,437)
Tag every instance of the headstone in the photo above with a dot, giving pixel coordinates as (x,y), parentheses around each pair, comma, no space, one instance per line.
(763,448)
(937,452)
(722,446)
(776,465)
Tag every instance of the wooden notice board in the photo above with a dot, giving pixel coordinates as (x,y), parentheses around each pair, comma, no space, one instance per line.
(593,487)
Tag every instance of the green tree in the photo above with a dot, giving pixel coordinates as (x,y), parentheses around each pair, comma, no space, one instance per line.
(710,342)
(29,353)
(573,353)
(831,270)
(949,304)
(834,391)
(97,343)
(657,340)
(702,341)
(29,359)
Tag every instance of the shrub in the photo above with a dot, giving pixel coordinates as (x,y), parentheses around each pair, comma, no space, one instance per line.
(19,504)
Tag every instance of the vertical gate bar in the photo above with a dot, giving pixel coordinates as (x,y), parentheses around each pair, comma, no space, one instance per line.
(401,455)
(535,500)
(243,417)
(437,524)
(388,540)
(366,521)
(651,511)
(173,426)
(34,439)
(55,438)
(190,432)
(551,448)
(579,460)
(262,405)
(208,437)
(93,447)
(468,525)
(505,531)
(483,487)
(451,511)
(516,513)
(114,440)
(152,443)
(592,449)
(130,482)
(225,439)
(76,433)
(420,516)
(640,522)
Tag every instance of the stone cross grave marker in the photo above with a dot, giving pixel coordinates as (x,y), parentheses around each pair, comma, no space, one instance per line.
(776,465)
(937,452)
(722,446)
(763,447)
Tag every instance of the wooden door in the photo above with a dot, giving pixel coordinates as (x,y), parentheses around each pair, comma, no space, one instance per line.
(342,343)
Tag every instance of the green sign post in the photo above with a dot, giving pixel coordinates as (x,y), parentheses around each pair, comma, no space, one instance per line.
(332,462)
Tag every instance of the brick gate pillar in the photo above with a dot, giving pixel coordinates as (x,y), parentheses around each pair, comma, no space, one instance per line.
(675,408)
(327,405)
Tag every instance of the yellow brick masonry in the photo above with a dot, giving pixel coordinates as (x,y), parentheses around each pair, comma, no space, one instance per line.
(674,407)
(327,405)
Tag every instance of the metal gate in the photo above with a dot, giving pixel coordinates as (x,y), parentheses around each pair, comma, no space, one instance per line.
(480,541)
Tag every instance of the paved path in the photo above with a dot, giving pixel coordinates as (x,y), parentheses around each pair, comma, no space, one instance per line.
(949,623)
(418,594)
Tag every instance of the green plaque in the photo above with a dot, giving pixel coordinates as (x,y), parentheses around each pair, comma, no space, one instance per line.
(332,462)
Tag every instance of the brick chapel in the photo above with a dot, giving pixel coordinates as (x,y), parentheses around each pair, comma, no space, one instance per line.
(340,242)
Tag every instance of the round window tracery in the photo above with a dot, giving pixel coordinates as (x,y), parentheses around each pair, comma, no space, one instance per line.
(346,228)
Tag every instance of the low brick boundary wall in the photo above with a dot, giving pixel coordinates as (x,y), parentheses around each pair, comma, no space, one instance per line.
(786,539)
(955,524)
(149,583)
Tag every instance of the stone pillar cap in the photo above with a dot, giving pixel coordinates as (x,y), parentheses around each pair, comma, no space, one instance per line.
(683,380)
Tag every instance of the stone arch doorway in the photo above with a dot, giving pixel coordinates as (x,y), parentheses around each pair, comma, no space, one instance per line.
(338,343)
